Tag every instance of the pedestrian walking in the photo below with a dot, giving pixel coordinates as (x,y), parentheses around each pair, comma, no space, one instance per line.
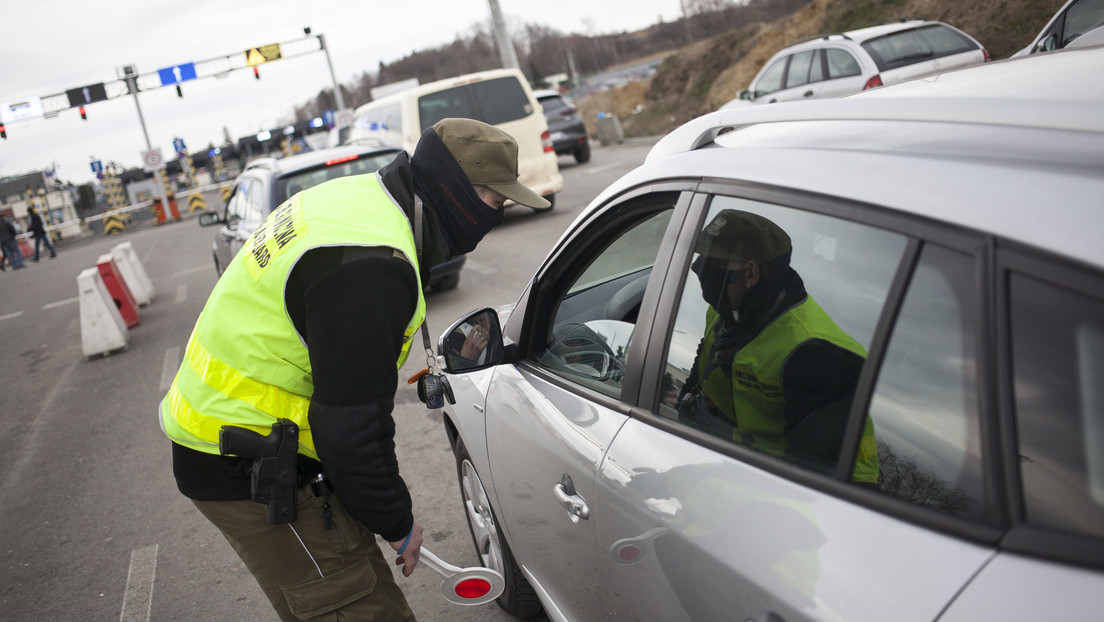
(10,245)
(39,232)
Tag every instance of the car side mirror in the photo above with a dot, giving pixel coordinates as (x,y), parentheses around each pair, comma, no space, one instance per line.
(208,219)
(1048,44)
(744,94)
(473,343)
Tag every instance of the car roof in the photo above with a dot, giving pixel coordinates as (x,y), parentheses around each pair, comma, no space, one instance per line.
(311,159)
(1013,148)
(546,93)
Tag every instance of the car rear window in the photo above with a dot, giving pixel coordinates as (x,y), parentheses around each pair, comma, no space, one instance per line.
(491,101)
(908,47)
(553,104)
(298,181)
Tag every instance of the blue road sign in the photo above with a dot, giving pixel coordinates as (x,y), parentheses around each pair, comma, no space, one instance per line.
(178,144)
(177,74)
(97,166)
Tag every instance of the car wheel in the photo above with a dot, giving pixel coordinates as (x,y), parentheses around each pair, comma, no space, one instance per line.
(582,154)
(519,598)
(551,198)
(446,283)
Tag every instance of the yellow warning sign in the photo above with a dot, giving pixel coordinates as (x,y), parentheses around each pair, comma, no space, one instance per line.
(262,54)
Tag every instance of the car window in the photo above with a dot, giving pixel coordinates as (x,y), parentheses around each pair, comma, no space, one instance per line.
(771,80)
(1082,17)
(239,202)
(298,181)
(491,101)
(925,403)
(553,105)
(907,47)
(253,208)
(801,65)
(841,64)
(384,123)
(595,316)
(1058,367)
(773,366)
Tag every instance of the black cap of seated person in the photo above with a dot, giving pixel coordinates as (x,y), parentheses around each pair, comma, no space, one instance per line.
(730,240)
(452,157)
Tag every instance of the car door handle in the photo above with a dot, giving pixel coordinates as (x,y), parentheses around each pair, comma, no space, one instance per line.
(575,505)
(808,93)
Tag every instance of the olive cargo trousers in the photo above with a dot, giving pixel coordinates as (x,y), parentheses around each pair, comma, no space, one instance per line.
(307,571)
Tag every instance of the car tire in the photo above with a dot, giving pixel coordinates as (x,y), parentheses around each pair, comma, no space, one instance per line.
(519,599)
(582,154)
(551,198)
(446,283)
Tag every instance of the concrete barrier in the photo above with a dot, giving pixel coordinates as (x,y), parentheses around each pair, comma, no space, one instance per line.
(102,328)
(118,290)
(133,273)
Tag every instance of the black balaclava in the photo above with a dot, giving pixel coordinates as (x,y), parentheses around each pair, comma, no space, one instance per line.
(445,189)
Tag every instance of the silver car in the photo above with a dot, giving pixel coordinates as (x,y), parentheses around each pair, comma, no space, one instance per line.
(951,465)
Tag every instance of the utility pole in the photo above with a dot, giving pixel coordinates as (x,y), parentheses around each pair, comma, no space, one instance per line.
(338,98)
(131,75)
(502,37)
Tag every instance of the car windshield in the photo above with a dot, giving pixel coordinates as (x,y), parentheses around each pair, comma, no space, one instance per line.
(298,181)
(907,47)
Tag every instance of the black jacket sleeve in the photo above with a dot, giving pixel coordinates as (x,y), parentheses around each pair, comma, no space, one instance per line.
(355,305)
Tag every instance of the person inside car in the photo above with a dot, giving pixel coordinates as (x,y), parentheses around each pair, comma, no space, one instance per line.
(773,370)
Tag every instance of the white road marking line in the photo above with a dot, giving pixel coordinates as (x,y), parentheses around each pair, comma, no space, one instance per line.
(188,271)
(10,316)
(138,600)
(181,293)
(169,367)
(60,303)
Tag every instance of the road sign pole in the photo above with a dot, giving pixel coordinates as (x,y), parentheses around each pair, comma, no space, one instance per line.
(333,76)
(132,85)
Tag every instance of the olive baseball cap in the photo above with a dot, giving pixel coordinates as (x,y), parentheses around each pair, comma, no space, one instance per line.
(488,156)
(733,234)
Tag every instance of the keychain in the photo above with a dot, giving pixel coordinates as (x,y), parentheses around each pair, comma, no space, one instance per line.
(433,388)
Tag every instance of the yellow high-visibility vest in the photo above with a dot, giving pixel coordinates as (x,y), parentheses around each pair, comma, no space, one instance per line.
(753,399)
(245,364)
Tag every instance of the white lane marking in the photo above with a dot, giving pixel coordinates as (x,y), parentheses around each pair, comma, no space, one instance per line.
(181,293)
(600,169)
(10,316)
(169,367)
(188,271)
(60,303)
(138,600)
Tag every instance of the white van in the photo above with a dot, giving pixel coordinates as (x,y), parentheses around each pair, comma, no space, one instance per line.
(501,97)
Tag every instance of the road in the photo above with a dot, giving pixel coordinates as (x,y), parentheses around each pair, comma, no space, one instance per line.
(93,527)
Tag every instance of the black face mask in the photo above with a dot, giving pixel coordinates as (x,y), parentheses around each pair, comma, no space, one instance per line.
(714,282)
(444,187)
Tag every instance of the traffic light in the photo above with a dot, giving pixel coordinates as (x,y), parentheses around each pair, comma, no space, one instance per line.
(3,132)
(83,116)
(256,73)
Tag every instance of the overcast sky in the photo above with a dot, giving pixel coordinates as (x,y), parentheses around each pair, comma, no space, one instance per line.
(51,46)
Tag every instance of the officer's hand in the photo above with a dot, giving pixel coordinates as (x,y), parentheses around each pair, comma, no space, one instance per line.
(409,558)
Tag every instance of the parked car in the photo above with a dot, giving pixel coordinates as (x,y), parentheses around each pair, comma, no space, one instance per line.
(265,183)
(501,97)
(569,136)
(835,65)
(950,468)
(1075,19)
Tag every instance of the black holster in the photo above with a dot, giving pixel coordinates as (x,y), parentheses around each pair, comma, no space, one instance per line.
(273,477)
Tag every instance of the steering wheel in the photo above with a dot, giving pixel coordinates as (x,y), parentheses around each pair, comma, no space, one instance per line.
(583,352)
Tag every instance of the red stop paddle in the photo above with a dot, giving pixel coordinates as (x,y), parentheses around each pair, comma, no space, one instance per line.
(474,585)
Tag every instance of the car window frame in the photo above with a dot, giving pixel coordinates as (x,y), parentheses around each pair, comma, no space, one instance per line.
(534,309)
(1022,537)
(918,231)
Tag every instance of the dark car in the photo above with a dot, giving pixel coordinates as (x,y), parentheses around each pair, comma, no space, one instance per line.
(267,182)
(568,132)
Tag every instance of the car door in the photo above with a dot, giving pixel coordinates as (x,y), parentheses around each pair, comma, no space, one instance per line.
(1052,562)
(551,417)
(843,73)
(803,78)
(701,521)
(244,212)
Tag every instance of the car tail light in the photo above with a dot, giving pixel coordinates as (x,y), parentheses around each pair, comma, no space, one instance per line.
(875,80)
(985,52)
(546,141)
(567,112)
(342,159)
